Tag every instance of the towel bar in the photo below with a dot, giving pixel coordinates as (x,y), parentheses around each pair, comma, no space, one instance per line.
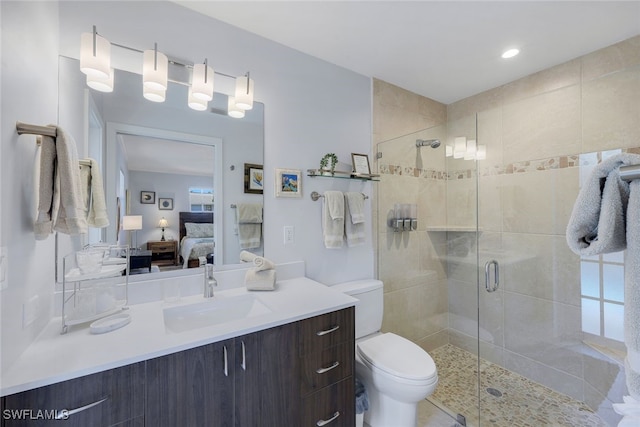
(23,128)
(629,173)
(315,196)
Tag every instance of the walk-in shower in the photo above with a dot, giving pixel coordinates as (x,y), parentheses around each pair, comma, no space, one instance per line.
(433,143)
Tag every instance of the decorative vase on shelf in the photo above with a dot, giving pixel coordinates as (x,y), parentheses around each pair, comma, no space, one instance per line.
(324,162)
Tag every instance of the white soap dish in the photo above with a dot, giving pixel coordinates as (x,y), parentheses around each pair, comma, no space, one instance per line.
(110,323)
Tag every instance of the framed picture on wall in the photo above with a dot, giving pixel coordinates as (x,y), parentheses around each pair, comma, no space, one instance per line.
(288,183)
(148,197)
(253,178)
(360,164)
(165,204)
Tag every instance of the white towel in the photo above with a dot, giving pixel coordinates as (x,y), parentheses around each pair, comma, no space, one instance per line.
(597,223)
(259,262)
(333,219)
(95,205)
(354,226)
(632,292)
(249,222)
(264,280)
(60,205)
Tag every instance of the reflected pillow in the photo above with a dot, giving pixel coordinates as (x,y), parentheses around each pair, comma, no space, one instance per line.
(199,229)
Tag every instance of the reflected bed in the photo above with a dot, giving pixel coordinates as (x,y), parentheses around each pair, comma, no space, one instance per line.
(196,237)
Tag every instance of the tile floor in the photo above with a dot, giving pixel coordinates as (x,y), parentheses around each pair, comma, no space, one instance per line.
(523,403)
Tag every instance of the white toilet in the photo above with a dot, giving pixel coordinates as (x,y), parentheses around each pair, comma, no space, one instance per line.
(396,373)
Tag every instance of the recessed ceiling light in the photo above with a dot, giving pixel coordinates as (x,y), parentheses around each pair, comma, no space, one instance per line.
(510,53)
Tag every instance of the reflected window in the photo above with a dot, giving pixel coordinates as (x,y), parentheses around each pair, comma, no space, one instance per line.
(602,290)
(201,199)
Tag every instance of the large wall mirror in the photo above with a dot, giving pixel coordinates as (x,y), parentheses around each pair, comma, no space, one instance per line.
(166,163)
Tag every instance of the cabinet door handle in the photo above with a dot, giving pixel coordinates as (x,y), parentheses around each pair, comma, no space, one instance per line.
(226,366)
(244,358)
(328,331)
(328,368)
(66,413)
(321,423)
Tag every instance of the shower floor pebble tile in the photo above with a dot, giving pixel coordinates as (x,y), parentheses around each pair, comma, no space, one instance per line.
(523,403)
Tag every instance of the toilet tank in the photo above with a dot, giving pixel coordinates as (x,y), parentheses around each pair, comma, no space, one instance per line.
(370,306)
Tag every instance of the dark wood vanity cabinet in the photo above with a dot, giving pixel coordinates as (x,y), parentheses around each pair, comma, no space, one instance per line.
(108,398)
(291,375)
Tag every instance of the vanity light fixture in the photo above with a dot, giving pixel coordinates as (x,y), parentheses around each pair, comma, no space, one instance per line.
(459,147)
(153,95)
(233,110)
(101,84)
(470,152)
(95,62)
(196,103)
(95,54)
(202,81)
(155,69)
(244,92)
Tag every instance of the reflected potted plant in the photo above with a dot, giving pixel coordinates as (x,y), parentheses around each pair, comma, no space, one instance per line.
(324,163)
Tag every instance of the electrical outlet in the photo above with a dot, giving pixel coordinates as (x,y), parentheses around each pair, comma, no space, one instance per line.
(289,234)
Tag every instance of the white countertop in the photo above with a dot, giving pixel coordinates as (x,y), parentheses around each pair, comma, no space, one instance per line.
(53,357)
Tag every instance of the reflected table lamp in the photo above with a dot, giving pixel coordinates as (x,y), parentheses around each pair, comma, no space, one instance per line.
(163,223)
(132,223)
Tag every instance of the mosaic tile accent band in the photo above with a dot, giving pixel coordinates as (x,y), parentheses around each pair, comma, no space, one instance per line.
(558,162)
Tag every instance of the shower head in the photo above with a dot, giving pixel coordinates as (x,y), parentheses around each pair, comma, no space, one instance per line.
(433,143)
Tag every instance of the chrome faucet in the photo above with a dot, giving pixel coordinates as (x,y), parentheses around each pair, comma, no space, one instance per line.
(209,281)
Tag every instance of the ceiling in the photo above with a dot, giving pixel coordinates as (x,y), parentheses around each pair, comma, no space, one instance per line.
(444,50)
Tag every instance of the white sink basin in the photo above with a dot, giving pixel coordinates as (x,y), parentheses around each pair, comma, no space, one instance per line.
(212,312)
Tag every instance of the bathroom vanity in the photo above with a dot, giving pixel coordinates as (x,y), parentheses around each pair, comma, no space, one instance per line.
(291,366)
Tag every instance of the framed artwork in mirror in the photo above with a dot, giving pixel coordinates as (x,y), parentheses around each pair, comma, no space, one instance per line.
(360,164)
(148,197)
(253,178)
(165,204)
(288,183)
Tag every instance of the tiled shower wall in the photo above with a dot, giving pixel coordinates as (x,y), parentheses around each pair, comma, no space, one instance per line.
(534,129)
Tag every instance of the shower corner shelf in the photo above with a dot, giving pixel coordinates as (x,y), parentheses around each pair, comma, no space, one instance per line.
(326,173)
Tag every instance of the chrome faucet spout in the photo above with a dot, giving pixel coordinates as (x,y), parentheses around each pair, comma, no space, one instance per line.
(209,281)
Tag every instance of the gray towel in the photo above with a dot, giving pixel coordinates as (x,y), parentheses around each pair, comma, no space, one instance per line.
(44,222)
(597,223)
(249,222)
(632,292)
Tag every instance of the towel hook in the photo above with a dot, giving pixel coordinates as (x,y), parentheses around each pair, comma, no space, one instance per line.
(315,196)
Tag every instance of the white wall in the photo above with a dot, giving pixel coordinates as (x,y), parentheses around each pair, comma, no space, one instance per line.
(311,108)
(29,94)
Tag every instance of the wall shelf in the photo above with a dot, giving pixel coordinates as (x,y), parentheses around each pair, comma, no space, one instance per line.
(326,173)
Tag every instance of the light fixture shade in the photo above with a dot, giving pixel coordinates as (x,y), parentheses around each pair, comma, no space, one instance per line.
(153,94)
(132,222)
(449,150)
(470,152)
(95,63)
(459,147)
(482,152)
(202,82)
(195,103)
(233,110)
(155,67)
(101,84)
(163,223)
(244,92)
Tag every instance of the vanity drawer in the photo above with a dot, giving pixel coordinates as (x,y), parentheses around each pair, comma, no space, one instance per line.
(336,403)
(327,330)
(326,367)
(120,392)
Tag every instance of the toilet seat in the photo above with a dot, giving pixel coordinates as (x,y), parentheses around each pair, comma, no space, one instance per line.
(398,357)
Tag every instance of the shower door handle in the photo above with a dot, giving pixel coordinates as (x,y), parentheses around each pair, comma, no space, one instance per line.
(487,275)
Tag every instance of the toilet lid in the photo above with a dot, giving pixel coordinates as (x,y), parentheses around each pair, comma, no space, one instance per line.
(397,356)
